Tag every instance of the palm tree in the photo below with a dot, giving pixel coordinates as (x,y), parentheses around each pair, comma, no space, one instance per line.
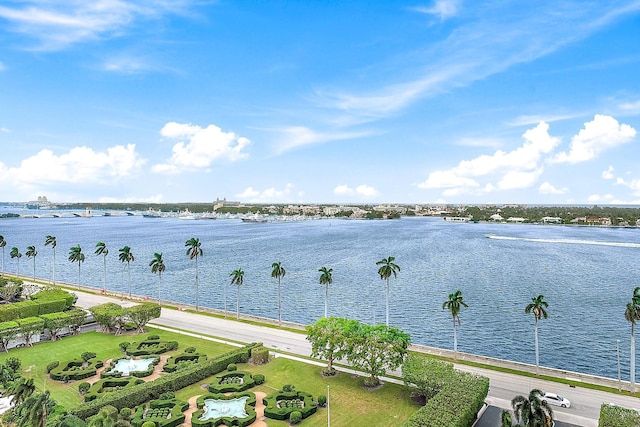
(533,412)
(632,314)
(454,304)
(101,249)
(37,408)
(278,272)
(127,256)
(21,390)
(505,419)
(538,307)
(32,253)
(388,268)
(76,255)
(326,278)
(157,266)
(194,250)
(237,278)
(51,240)
(15,253)
(3,243)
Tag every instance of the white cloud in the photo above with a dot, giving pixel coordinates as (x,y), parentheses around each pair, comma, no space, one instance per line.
(519,168)
(547,188)
(598,135)
(633,184)
(630,107)
(596,198)
(608,174)
(5,130)
(2,66)
(298,136)
(443,8)
(535,119)
(203,147)
(59,24)
(158,198)
(360,190)
(269,195)
(81,165)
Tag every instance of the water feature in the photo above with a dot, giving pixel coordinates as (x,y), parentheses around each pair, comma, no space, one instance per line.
(214,408)
(126,366)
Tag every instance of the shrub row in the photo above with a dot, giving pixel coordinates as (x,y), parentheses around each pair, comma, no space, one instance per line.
(100,388)
(271,409)
(228,421)
(456,405)
(616,416)
(139,394)
(174,407)
(55,294)
(24,309)
(75,369)
(174,362)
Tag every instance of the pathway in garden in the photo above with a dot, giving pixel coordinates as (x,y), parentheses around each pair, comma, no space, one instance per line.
(96,377)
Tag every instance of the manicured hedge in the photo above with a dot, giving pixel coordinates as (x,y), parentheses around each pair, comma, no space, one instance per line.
(249,407)
(76,369)
(456,405)
(149,347)
(127,398)
(100,388)
(616,416)
(54,294)
(220,384)
(174,361)
(271,409)
(24,309)
(169,413)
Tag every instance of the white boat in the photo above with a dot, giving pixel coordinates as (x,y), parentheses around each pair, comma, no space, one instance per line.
(186,214)
(255,218)
(152,213)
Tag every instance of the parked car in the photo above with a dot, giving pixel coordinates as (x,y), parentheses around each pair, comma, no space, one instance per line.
(557,400)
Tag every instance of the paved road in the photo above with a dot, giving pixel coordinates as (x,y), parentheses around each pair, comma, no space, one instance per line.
(584,411)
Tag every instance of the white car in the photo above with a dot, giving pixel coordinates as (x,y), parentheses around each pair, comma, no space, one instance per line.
(557,400)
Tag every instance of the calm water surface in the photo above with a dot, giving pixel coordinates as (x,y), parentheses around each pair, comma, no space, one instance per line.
(587,275)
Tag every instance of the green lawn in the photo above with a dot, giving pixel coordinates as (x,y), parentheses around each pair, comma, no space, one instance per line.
(350,404)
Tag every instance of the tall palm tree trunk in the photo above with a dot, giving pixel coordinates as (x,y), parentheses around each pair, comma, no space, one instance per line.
(279,305)
(78,274)
(238,304)
(104,287)
(326,298)
(632,358)
(129,278)
(197,286)
(536,343)
(54,266)
(455,339)
(387,298)
(160,285)
(34,269)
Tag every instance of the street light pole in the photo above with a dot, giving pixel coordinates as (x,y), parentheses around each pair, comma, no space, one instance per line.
(618,353)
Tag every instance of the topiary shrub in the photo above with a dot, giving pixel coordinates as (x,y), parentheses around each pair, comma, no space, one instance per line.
(183,360)
(281,404)
(87,355)
(76,369)
(14,363)
(149,424)
(233,381)
(125,413)
(51,366)
(258,378)
(232,367)
(124,345)
(288,387)
(190,350)
(161,413)
(148,347)
(84,387)
(295,417)
(153,337)
(259,355)
(322,400)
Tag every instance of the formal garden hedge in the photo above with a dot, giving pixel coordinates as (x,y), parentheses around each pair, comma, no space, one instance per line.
(183,360)
(55,294)
(456,405)
(281,404)
(110,373)
(233,381)
(136,395)
(151,346)
(161,412)
(110,385)
(24,309)
(76,369)
(616,416)
(249,408)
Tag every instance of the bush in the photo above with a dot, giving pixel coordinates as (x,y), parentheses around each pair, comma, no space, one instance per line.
(52,366)
(616,416)
(84,387)
(76,369)
(190,350)
(295,417)
(232,367)
(258,378)
(288,387)
(149,424)
(124,346)
(153,337)
(87,355)
(234,381)
(322,400)
(168,395)
(289,402)
(260,355)
(125,413)
(13,363)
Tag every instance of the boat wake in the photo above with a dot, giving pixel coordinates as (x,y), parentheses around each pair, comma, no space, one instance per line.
(566,241)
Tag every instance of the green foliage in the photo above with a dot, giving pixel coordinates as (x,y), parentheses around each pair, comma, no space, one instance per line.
(110,373)
(260,355)
(233,381)
(322,400)
(84,387)
(76,369)
(52,365)
(30,327)
(281,404)
(110,316)
(190,350)
(141,314)
(616,416)
(295,417)
(111,385)
(182,360)
(426,374)
(232,367)
(14,363)
(150,347)
(139,394)
(258,378)
(124,345)
(153,337)
(456,405)
(54,294)
(8,331)
(87,355)
(149,424)
(71,421)
(328,339)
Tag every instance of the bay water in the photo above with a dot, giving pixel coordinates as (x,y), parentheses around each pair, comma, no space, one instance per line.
(586,274)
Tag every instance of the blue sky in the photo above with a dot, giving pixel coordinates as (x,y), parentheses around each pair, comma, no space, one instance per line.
(445,101)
